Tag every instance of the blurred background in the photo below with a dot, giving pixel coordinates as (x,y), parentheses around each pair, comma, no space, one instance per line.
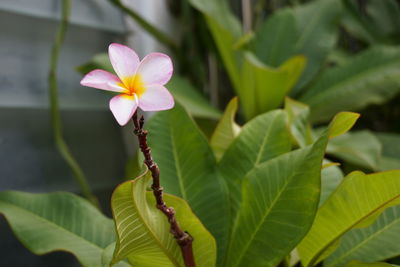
(331,55)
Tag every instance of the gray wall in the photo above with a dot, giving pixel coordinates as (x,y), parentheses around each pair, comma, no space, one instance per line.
(28,158)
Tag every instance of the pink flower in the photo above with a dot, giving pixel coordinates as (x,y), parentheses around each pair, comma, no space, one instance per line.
(139,82)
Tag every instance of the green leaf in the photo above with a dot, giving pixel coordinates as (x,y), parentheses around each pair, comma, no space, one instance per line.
(226,30)
(188,168)
(318,35)
(376,243)
(260,88)
(143,234)
(309,29)
(263,138)
(377,22)
(390,151)
(58,222)
(107,257)
(264,88)
(371,77)
(196,104)
(361,148)
(300,128)
(342,123)
(275,40)
(358,200)
(280,199)
(372,264)
(226,130)
(331,177)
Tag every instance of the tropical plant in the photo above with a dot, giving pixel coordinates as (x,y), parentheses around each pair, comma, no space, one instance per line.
(264,191)
(281,52)
(260,200)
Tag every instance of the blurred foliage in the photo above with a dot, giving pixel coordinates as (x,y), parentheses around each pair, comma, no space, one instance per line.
(332,55)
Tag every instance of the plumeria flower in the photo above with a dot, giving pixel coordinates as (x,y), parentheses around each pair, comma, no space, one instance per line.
(140,83)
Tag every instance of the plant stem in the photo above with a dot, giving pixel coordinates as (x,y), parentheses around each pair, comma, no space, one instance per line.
(183,238)
(156,33)
(247,16)
(55,110)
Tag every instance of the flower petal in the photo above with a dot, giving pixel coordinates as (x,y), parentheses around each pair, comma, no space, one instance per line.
(123,59)
(156,97)
(102,79)
(155,68)
(123,106)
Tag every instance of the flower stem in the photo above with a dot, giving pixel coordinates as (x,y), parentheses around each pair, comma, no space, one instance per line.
(55,110)
(183,238)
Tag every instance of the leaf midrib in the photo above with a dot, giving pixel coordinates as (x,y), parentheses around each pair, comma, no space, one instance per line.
(340,234)
(264,217)
(176,162)
(266,136)
(366,240)
(149,230)
(51,223)
(333,89)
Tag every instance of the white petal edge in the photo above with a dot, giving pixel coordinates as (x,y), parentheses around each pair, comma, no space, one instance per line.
(103,80)
(155,68)
(155,98)
(123,107)
(124,60)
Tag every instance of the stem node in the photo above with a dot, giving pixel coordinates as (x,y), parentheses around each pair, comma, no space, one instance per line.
(183,238)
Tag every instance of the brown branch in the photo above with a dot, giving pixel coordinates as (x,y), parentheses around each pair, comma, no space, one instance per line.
(183,238)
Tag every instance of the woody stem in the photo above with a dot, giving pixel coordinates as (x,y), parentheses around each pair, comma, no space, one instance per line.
(183,238)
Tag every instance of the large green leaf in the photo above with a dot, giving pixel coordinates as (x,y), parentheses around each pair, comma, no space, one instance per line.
(361,148)
(377,22)
(370,264)
(264,88)
(308,29)
(58,222)
(143,231)
(279,200)
(358,200)
(299,126)
(226,30)
(371,77)
(196,104)
(260,88)
(260,140)
(376,243)
(275,40)
(390,151)
(107,257)
(188,168)
(226,130)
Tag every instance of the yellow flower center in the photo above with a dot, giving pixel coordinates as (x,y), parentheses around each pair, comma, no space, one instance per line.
(133,84)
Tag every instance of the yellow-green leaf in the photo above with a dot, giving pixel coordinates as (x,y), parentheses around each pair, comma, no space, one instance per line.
(358,200)
(300,128)
(143,234)
(226,130)
(342,123)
